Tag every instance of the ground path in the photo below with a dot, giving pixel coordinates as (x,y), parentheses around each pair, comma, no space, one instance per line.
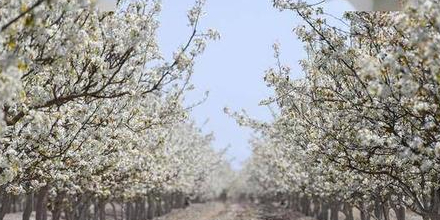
(220,211)
(217,211)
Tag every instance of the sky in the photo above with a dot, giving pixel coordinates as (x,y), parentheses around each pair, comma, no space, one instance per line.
(232,69)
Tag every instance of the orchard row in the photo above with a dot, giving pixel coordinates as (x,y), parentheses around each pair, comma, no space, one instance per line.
(361,129)
(92,114)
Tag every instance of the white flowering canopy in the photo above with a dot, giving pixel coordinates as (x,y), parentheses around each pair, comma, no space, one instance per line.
(362,126)
(90,107)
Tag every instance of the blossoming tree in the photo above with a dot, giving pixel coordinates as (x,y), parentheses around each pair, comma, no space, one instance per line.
(93,115)
(361,128)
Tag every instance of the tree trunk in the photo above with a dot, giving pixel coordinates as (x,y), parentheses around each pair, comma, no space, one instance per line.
(400,212)
(144,208)
(296,203)
(173,200)
(348,212)
(167,204)
(178,200)
(95,210)
(28,206)
(365,215)
(84,209)
(128,211)
(115,214)
(386,211)
(13,207)
(102,210)
(135,215)
(316,207)
(289,201)
(187,202)
(379,210)
(334,211)
(56,210)
(324,211)
(56,213)
(20,203)
(159,208)
(41,209)
(138,209)
(69,213)
(305,205)
(151,211)
(6,204)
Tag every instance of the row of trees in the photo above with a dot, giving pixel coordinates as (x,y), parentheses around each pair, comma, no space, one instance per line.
(361,129)
(92,114)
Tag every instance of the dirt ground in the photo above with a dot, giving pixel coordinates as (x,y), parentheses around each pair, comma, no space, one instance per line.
(230,211)
(237,211)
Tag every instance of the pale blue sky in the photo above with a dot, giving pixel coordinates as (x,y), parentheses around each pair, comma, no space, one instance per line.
(232,69)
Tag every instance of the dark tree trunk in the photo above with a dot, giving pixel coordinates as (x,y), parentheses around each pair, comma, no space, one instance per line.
(305,205)
(13,207)
(128,211)
(296,203)
(123,211)
(181,201)
(289,201)
(138,210)
(386,211)
(348,211)
(151,211)
(96,210)
(20,203)
(115,214)
(6,204)
(177,200)
(41,209)
(84,209)
(316,207)
(173,200)
(69,213)
(57,206)
(144,210)
(159,208)
(56,213)
(167,204)
(324,211)
(135,215)
(379,210)
(365,214)
(102,210)
(28,206)
(334,211)
(400,212)
(187,202)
